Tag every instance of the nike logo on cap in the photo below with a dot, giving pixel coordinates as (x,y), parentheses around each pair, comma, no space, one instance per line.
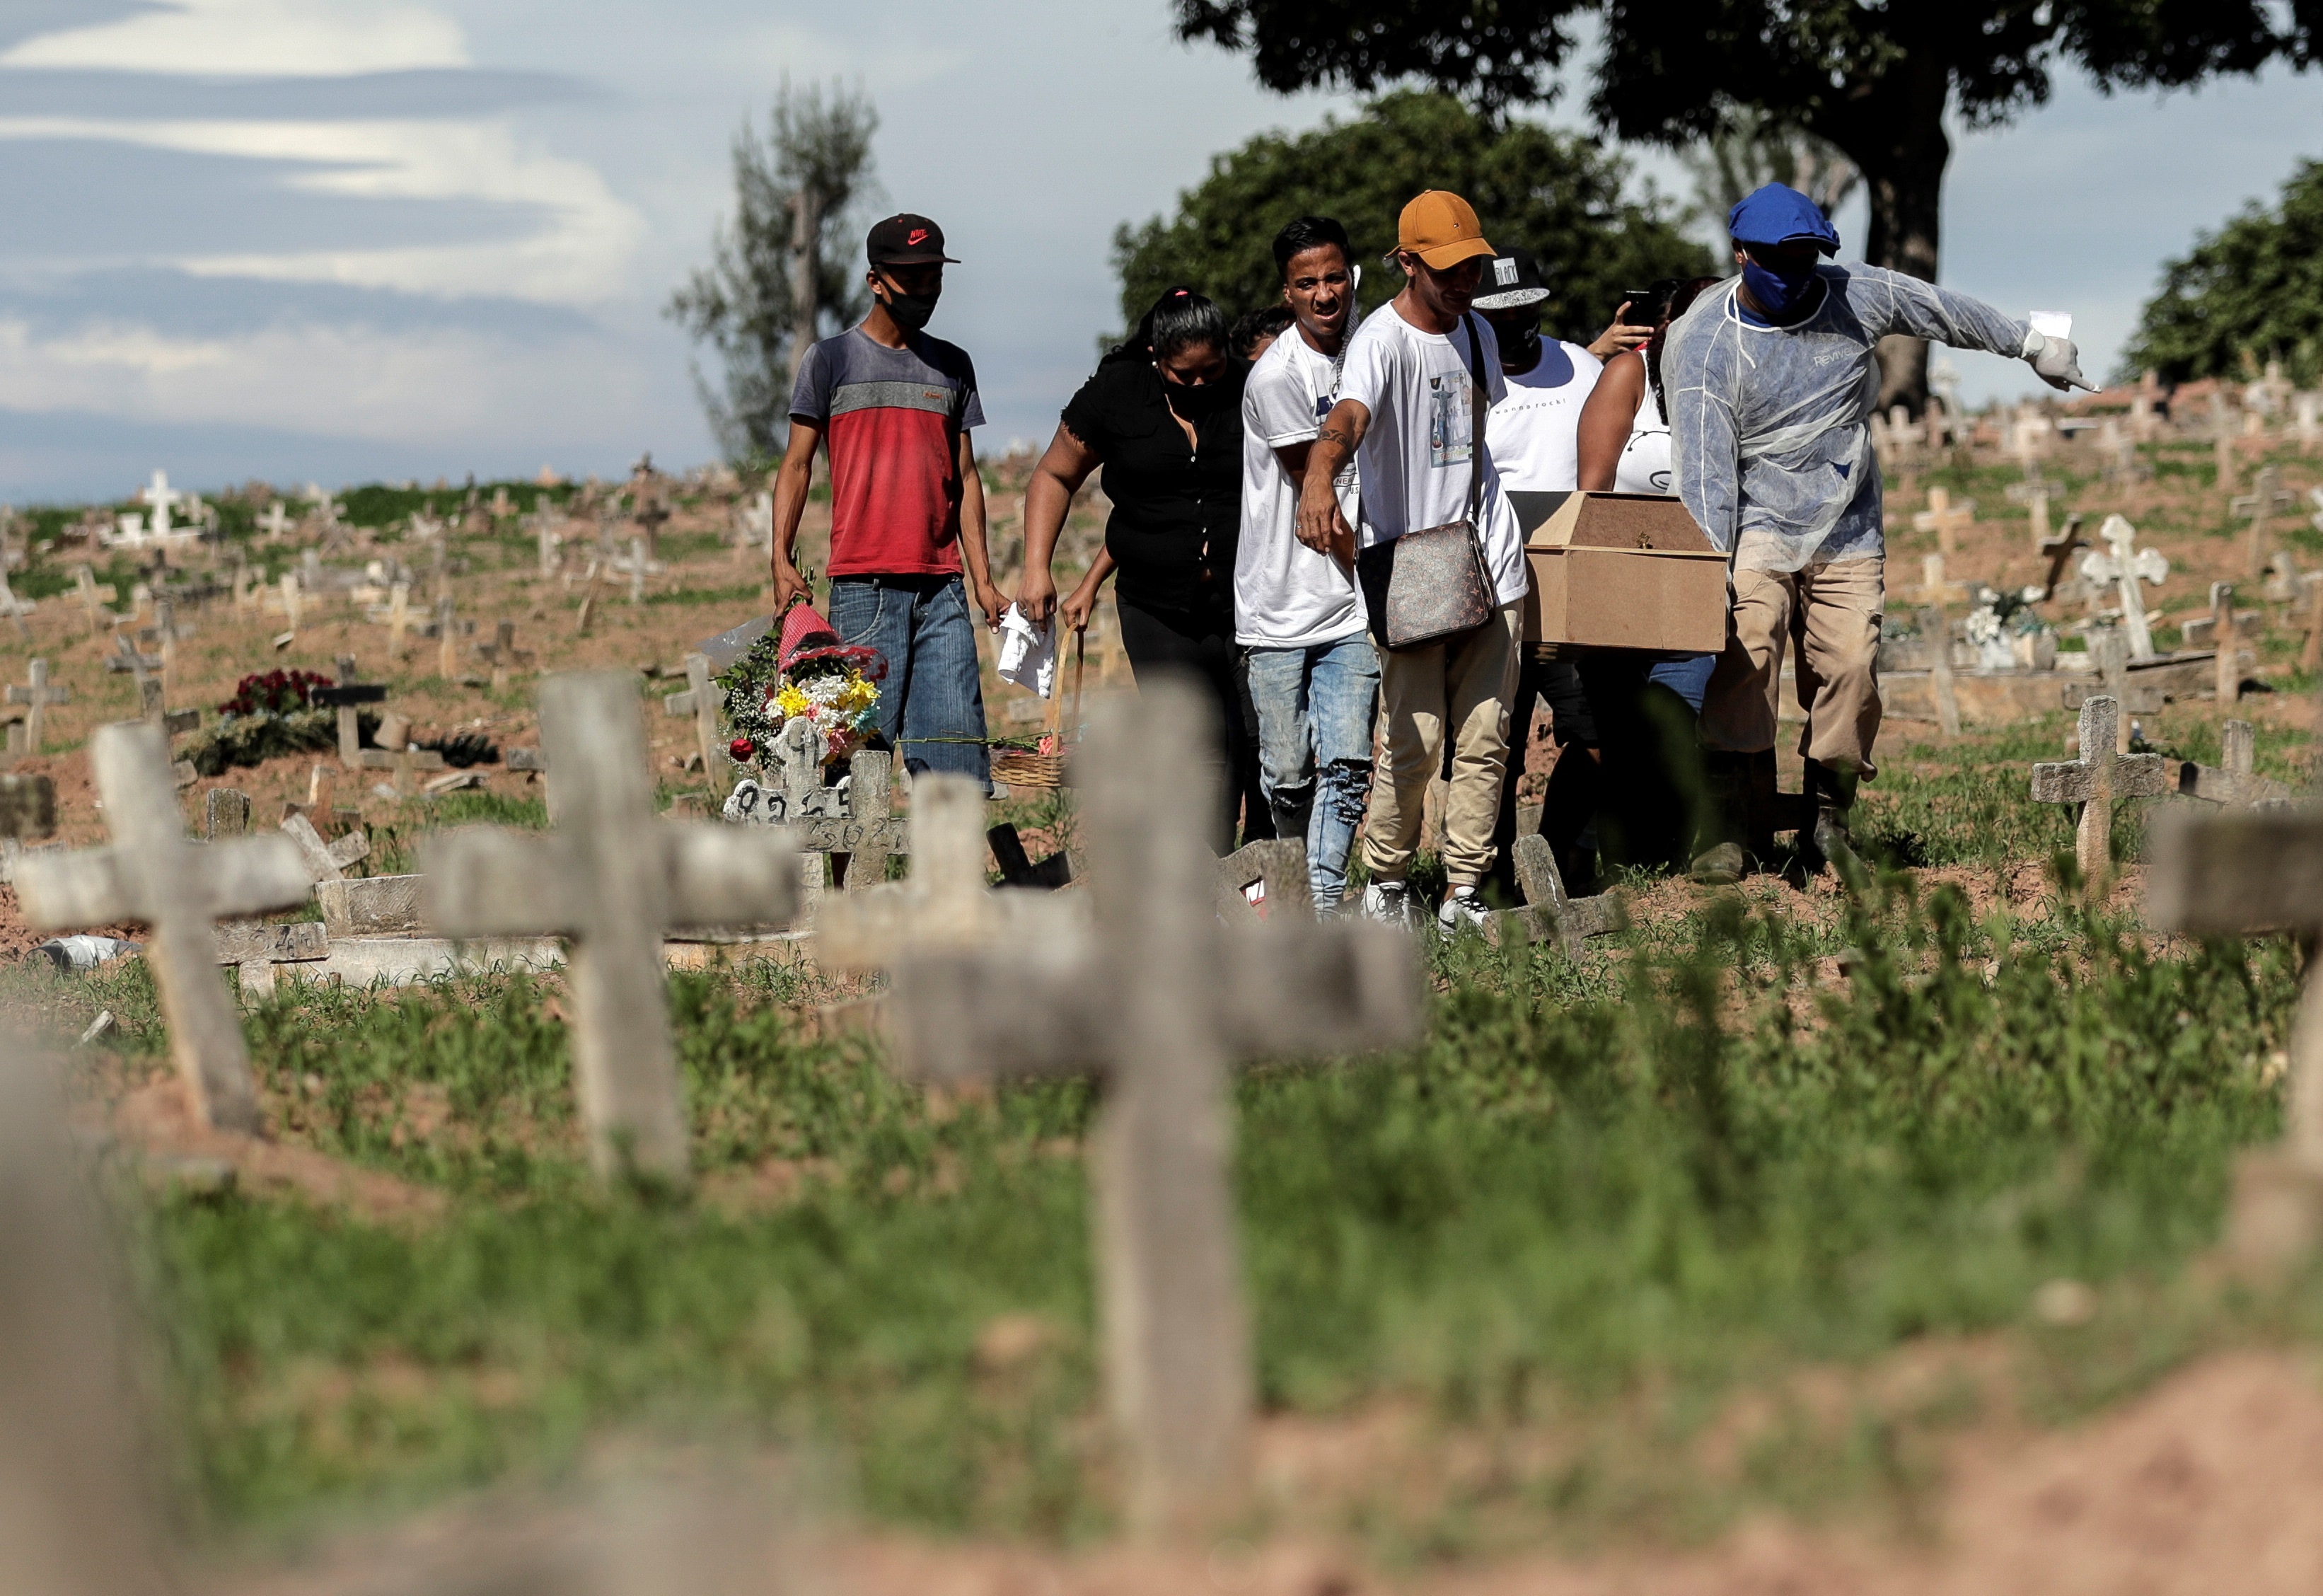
(916,235)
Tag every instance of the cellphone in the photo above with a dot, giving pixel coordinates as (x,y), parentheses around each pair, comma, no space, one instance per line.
(1643,308)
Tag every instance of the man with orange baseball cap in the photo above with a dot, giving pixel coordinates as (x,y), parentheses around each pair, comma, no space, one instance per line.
(1407,415)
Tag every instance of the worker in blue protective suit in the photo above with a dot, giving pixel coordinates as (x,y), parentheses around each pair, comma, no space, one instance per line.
(1772,383)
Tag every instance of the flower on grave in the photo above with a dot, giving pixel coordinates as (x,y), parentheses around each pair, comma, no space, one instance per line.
(272,693)
(831,692)
(739,751)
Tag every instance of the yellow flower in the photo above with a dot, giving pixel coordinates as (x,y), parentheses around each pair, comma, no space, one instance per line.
(792,701)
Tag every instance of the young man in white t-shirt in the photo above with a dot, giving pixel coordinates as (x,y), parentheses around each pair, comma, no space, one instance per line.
(1313,674)
(1406,413)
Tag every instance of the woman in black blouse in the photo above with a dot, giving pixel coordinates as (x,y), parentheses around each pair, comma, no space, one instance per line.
(1163,415)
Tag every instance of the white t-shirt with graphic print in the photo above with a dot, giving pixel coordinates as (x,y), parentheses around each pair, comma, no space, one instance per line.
(1416,458)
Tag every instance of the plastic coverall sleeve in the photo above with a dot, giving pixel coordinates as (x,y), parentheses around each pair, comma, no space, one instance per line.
(1771,444)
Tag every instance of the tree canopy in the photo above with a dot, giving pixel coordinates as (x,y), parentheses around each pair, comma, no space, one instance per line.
(2255,288)
(1556,194)
(744,304)
(1877,81)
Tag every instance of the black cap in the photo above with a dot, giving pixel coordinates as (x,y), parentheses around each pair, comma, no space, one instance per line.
(1510,281)
(906,240)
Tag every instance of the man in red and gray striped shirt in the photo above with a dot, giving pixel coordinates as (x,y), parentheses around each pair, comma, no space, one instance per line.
(893,408)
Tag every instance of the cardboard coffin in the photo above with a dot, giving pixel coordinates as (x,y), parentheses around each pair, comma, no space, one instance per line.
(1623,571)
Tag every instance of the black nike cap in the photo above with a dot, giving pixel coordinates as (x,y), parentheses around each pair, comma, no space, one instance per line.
(906,240)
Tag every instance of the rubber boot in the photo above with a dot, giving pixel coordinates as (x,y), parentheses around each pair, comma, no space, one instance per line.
(1758,839)
(1718,858)
(1833,790)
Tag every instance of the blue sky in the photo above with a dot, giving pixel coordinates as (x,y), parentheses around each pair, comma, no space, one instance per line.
(351,239)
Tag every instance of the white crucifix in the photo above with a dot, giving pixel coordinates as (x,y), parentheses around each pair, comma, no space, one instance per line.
(36,696)
(275,522)
(945,902)
(160,499)
(614,878)
(2094,781)
(154,874)
(1159,999)
(2245,873)
(2122,562)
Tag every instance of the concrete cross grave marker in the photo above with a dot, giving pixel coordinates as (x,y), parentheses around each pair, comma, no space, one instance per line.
(2232,782)
(344,696)
(2228,669)
(945,904)
(151,873)
(1548,915)
(2033,493)
(614,878)
(1159,998)
(2096,780)
(2245,873)
(823,820)
(2125,566)
(324,861)
(95,596)
(2267,499)
(36,696)
(447,639)
(1936,628)
(275,522)
(158,498)
(702,699)
(503,655)
(1945,520)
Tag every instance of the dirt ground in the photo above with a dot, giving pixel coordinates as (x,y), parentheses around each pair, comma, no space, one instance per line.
(2211,1482)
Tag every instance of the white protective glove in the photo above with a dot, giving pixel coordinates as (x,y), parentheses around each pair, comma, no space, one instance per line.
(2056,360)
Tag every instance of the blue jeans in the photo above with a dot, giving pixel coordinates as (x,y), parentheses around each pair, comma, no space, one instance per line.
(1315,713)
(931,704)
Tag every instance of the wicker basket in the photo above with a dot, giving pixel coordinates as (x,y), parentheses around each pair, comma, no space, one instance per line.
(1018,769)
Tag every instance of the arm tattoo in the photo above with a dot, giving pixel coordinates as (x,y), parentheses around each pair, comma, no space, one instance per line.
(1331,435)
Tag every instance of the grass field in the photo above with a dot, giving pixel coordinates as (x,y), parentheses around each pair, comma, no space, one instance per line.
(1760,1135)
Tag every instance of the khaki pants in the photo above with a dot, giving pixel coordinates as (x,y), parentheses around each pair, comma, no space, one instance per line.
(1831,615)
(1466,684)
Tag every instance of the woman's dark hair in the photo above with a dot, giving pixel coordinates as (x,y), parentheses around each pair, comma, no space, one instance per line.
(1308,233)
(1682,296)
(1179,320)
(1267,322)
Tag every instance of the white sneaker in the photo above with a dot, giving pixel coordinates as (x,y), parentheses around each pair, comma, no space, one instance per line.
(1389,900)
(1461,907)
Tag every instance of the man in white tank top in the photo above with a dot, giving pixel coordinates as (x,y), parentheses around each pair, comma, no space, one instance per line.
(1534,433)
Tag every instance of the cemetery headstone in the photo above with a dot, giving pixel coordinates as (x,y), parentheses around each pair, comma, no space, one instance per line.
(36,696)
(1549,914)
(1158,999)
(1938,630)
(2233,781)
(324,861)
(823,820)
(2265,500)
(151,875)
(703,700)
(2126,566)
(613,877)
(2229,671)
(1945,520)
(2096,780)
(226,813)
(2243,873)
(95,596)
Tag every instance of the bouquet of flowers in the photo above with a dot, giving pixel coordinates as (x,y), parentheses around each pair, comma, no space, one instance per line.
(272,693)
(803,671)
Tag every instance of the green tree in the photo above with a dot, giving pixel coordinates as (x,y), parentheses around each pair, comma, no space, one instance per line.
(785,267)
(1556,194)
(2255,284)
(1876,81)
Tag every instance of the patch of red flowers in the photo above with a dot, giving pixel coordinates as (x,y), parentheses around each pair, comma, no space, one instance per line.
(272,693)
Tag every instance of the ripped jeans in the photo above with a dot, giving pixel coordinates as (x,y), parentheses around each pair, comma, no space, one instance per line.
(1314,710)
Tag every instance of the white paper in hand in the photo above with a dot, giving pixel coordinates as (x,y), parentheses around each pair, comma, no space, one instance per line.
(1028,652)
(2052,323)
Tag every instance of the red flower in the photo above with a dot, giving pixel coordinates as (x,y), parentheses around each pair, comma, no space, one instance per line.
(741,749)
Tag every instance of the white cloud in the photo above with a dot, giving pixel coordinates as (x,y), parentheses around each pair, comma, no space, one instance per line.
(583,254)
(290,38)
(445,388)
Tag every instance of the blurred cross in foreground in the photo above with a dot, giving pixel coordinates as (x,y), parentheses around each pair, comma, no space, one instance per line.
(1157,998)
(2093,780)
(2242,872)
(154,874)
(614,878)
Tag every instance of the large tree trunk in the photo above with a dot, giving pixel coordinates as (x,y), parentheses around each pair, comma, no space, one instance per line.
(1894,129)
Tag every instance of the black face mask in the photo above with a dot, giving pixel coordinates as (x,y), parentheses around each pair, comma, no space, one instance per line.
(911,312)
(1525,346)
(1193,403)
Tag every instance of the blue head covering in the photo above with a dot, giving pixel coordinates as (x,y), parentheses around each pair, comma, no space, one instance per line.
(1779,215)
